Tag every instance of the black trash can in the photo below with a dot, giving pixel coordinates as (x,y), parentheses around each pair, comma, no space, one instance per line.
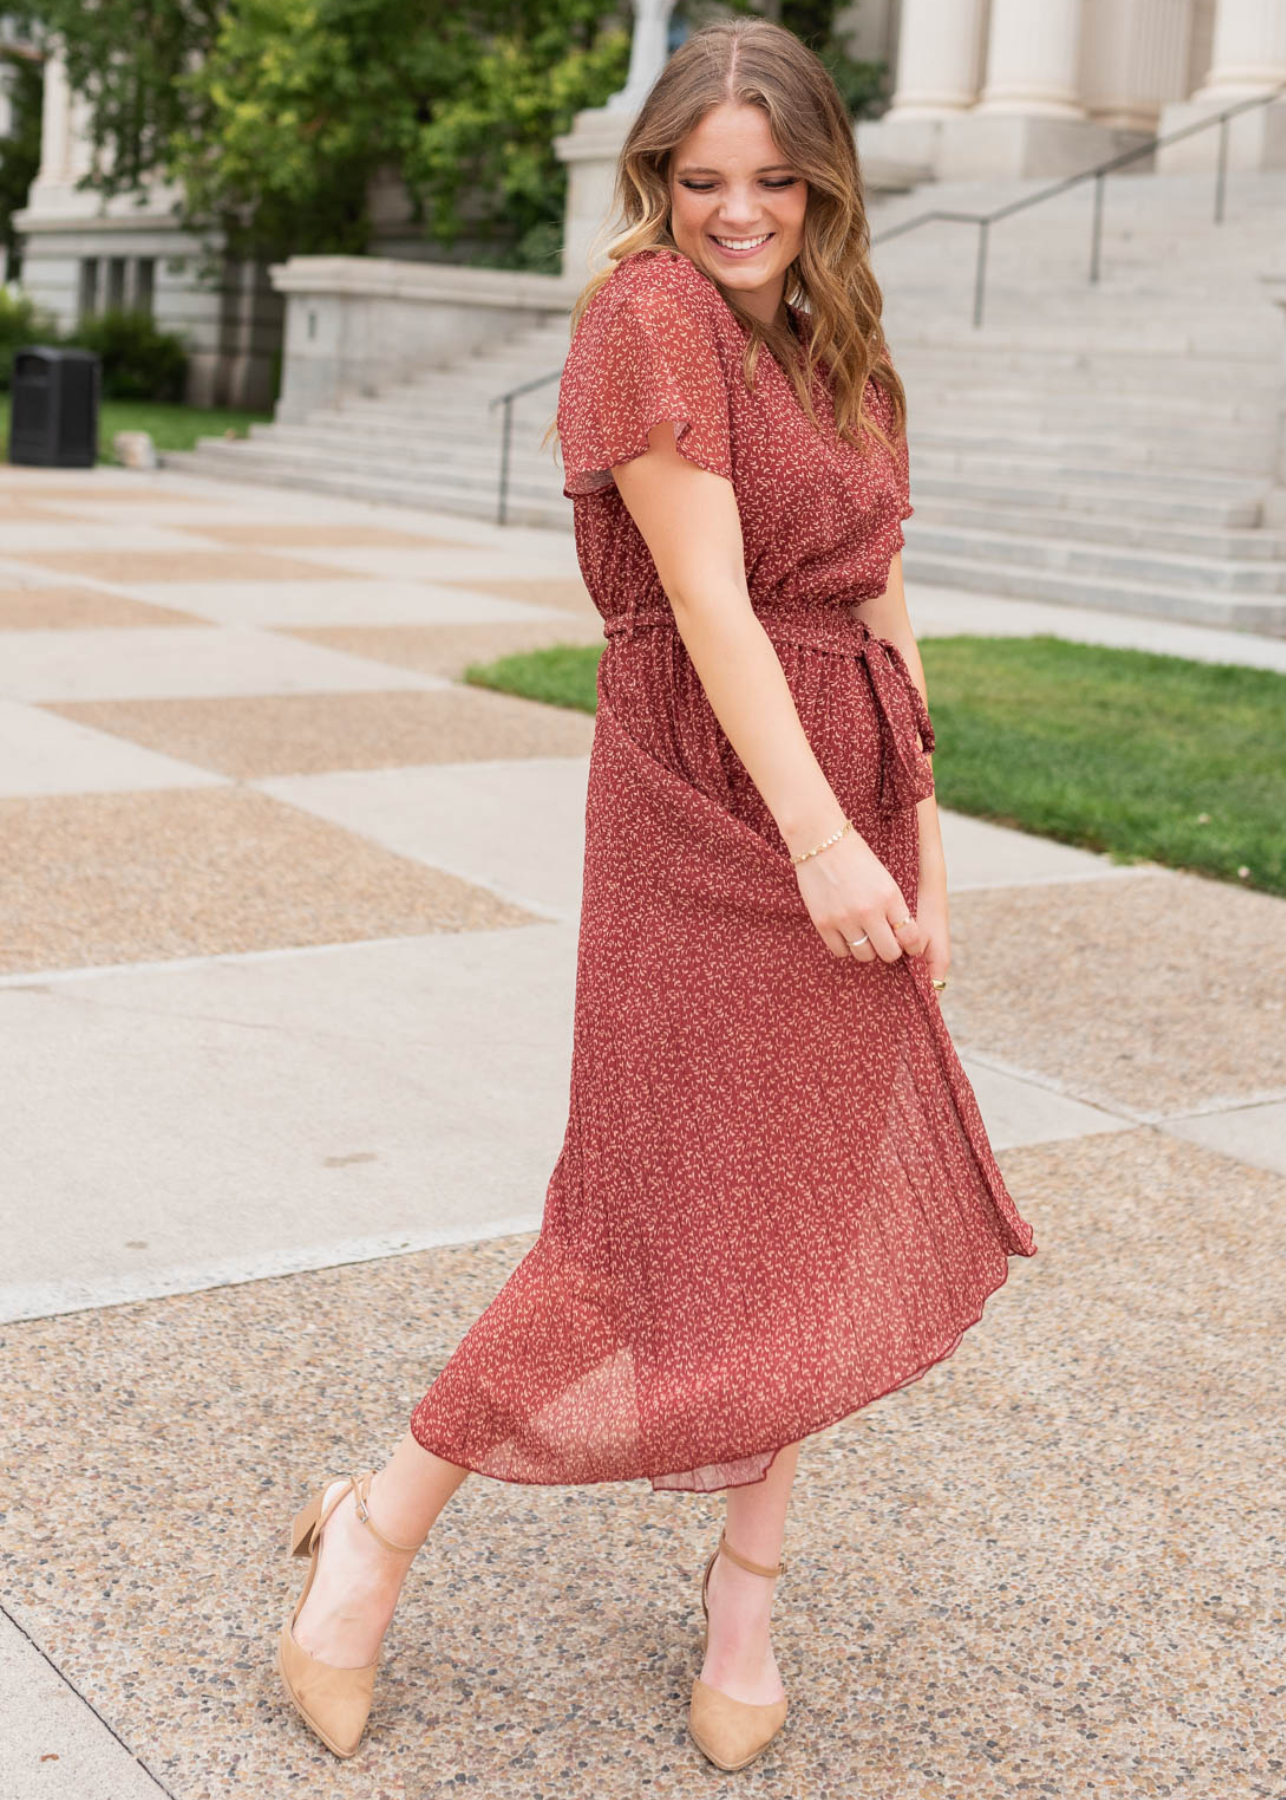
(53,414)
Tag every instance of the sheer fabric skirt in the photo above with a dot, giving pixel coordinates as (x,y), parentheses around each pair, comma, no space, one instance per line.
(775,1199)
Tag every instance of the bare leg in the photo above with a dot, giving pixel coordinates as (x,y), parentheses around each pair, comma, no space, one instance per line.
(358,1581)
(739,1658)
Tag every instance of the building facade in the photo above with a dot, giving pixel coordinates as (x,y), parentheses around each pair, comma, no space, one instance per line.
(83,254)
(987,88)
(979,89)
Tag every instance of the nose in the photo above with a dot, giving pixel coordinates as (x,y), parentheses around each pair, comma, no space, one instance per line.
(740,219)
(740,210)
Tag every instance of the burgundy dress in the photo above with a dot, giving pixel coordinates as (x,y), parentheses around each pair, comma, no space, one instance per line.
(775,1199)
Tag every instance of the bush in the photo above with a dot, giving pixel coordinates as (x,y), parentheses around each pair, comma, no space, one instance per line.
(140,362)
(21,322)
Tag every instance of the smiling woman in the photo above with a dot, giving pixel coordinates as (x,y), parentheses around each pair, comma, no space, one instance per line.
(775,1200)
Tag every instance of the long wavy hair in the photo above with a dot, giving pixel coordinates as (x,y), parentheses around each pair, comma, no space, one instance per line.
(753,62)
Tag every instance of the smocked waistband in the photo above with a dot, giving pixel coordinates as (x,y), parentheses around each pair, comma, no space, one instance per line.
(825,623)
(906,775)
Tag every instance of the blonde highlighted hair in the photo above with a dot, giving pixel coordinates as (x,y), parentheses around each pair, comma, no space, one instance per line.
(753,62)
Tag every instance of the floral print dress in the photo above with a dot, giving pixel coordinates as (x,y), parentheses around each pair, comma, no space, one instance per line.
(775,1199)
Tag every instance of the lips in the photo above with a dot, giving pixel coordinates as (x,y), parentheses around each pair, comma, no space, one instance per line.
(753,250)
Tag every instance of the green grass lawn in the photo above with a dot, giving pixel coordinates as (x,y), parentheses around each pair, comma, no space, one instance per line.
(1125,751)
(172,427)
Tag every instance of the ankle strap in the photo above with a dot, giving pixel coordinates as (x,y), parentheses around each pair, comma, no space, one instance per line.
(745,1562)
(363,1482)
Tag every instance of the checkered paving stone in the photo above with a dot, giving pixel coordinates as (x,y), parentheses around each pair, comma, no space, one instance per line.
(1102,982)
(299,533)
(14,510)
(449,649)
(132,568)
(309,734)
(93,493)
(91,879)
(564,593)
(1047,1568)
(70,609)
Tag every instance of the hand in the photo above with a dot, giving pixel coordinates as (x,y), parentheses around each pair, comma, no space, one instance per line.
(848,893)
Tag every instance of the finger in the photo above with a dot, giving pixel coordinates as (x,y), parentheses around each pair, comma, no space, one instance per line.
(859,946)
(834,942)
(884,939)
(913,938)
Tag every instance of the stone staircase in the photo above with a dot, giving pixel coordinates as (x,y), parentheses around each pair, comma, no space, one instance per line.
(1106,446)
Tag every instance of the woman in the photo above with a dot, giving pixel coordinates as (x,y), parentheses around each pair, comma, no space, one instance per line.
(775,1199)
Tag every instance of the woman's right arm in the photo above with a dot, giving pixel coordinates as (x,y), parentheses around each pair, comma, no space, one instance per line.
(689,520)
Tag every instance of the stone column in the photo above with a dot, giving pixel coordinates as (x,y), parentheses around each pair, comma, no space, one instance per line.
(938,74)
(1248,58)
(1249,50)
(1033,59)
(55,124)
(1135,60)
(592,148)
(939,63)
(649,53)
(1031,119)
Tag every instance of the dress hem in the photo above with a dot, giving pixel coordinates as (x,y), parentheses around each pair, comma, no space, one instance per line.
(810,1431)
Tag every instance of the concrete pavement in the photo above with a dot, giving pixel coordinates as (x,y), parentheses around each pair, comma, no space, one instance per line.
(287,942)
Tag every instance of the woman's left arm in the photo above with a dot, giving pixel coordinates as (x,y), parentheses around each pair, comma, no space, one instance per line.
(887,617)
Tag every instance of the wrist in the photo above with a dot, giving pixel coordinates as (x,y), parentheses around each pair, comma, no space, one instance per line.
(807,832)
(845,829)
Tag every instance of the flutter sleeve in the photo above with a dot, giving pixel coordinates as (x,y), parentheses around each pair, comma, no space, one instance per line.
(638,358)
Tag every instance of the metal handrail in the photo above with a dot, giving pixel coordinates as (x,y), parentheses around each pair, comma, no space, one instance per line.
(506,432)
(984,221)
(1098,175)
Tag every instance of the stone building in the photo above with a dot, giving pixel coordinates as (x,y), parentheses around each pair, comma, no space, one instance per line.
(82,254)
(988,88)
(980,88)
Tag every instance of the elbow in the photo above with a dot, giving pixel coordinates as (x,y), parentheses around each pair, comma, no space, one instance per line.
(712,600)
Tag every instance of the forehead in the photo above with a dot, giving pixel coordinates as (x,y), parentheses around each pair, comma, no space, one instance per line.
(733,140)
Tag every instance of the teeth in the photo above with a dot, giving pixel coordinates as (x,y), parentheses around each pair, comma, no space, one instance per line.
(742,243)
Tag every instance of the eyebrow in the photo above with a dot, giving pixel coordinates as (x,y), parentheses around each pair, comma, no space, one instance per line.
(693,169)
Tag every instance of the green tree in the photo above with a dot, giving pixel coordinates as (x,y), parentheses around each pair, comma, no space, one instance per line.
(20,151)
(274,116)
(129,58)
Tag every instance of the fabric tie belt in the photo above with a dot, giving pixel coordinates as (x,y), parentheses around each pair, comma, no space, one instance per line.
(905,773)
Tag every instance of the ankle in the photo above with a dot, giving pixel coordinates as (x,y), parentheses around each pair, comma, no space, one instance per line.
(394,1520)
(749,1596)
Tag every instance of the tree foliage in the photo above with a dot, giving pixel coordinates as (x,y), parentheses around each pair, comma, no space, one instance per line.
(274,117)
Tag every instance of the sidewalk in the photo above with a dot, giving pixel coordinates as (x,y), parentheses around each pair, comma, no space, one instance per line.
(287,949)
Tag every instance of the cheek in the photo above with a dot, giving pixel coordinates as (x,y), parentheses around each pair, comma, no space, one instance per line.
(793,220)
(687,210)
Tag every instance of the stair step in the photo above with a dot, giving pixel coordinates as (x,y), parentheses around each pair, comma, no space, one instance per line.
(1161,504)
(219,461)
(1180,536)
(464,465)
(431,473)
(1031,470)
(1058,555)
(1233,612)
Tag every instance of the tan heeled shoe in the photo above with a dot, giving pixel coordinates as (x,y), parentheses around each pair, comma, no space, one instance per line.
(334,1701)
(731,1733)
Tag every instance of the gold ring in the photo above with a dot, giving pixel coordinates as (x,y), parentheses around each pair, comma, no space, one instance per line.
(939,983)
(901,922)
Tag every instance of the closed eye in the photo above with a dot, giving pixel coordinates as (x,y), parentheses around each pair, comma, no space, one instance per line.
(704,187)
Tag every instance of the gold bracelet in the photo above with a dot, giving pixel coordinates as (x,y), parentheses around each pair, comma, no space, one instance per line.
(825,843)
